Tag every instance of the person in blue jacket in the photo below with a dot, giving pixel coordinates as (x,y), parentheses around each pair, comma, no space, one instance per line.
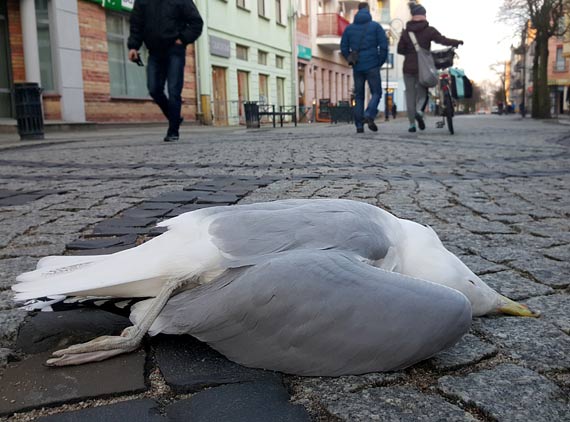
(369,39)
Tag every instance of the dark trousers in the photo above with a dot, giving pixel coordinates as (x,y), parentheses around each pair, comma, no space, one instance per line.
(168,68)
(372,76)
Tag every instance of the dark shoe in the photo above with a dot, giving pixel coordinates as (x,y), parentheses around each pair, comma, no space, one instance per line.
(171,138)
(371,125)
(421,123)
(359,130)
(412,129)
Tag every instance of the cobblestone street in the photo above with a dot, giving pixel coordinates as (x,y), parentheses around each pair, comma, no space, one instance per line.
(497,193)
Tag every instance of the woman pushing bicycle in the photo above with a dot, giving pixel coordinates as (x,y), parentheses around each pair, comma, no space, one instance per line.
(416,94)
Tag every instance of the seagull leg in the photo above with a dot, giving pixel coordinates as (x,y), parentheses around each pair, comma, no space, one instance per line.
(130,339)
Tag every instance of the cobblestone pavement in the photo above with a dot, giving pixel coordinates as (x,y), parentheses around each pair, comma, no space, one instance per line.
(497,193)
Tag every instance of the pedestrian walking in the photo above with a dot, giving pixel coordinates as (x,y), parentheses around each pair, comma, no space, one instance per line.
(166,28)
(366,40)
(416,94)
(394,110)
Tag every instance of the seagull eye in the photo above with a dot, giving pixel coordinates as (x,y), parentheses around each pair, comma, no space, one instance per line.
(471,281)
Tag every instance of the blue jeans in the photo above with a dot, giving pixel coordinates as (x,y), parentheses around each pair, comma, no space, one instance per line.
(375,85)
(168,67)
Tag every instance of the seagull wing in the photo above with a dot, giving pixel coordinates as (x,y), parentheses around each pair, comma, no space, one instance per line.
(319,313)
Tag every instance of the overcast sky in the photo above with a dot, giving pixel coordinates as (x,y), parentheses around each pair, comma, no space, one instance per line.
(475,22)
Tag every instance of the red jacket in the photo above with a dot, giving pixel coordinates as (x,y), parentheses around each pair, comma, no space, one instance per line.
(425,34)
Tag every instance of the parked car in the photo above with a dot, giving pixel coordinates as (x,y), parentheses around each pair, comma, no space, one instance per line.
(495,110)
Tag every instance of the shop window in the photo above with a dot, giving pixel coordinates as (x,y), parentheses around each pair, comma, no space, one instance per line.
(241,52)
(44,46)
(127,79)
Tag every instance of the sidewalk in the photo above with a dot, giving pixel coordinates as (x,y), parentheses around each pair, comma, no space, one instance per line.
(496,192)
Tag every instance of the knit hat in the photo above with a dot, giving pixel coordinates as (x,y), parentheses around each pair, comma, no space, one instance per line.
(418,9)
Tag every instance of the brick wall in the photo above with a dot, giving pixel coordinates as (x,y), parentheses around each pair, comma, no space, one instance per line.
(99,105)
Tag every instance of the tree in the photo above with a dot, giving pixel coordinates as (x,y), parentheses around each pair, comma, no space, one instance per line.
(546,18)
(500,95)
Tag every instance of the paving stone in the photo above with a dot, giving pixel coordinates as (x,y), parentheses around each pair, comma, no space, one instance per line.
(5,355)
(192,207)
(103,251)
(244,402)
(142,213)
(480,265)
(119,231)
(158,206)
(547,271)
(18,200)
(554,309)
(183,197)
(189,365)
(515,286)
(509,393)
(29,384)
(393,404)
(127,222)
(10,322)
(331,386)
(535,343)
(143,410)
(215,198)
(56,330)
(126,240)
(468,351)
(10,268)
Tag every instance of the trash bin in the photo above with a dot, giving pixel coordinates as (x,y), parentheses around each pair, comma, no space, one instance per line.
(251,109)
(28,101)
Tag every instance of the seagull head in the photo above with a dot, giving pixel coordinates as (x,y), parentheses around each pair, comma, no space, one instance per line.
(424,256)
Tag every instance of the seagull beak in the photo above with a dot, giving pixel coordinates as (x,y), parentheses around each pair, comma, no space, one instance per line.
(510,307)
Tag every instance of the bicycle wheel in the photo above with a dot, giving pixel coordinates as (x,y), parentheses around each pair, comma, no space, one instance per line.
(449,112)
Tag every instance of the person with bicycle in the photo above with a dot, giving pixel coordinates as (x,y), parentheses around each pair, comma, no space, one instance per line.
(416,94)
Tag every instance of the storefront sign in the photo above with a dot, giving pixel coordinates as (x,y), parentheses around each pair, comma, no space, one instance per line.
(116,4)
(220,47)
(304,52)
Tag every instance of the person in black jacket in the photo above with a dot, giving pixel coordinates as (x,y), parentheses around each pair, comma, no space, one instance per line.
(416,94)
(166,27)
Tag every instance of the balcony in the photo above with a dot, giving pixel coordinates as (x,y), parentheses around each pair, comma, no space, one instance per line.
(330,27)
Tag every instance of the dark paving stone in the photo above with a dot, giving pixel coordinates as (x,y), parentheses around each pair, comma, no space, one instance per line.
(192,207)
(18,200)
(127,222)
(102,243)
(189,365)
(29,384)
(55,330)
(178,197)
(149,205)
(144,410)
(217,199)
(246,402)
(206,187)
(467,351)
(118,231)
(157,231)
(6,193)
(510,393)
(142,213)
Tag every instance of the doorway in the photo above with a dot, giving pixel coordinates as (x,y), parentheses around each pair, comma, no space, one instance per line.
(5,66)
(220,96)
(243,93)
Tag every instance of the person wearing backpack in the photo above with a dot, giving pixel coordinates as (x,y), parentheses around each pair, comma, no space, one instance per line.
(365,46)
(416,94)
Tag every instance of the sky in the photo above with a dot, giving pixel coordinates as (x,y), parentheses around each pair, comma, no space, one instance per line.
(487,41)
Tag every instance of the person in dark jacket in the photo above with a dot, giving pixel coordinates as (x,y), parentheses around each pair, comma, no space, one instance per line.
(166,28)
(416,94)
(369,39)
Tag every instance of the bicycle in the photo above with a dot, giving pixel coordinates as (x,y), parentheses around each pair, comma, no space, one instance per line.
(444,61)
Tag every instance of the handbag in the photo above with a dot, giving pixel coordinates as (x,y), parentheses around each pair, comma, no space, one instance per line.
(353,56)
(427,73)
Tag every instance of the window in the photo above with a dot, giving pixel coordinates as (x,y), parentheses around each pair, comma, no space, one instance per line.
(278,12)
(302,7)
(240,3)
(261,10)
(127,79)
(263,89)
(262,57)
(560,65)
(279,62)
(44,46)
(241,52)
(280,91)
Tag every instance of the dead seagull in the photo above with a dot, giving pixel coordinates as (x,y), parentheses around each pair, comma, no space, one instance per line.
(227,246)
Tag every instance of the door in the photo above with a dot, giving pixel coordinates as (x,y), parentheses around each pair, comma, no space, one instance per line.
(220,96)
(5,66)
(243,93)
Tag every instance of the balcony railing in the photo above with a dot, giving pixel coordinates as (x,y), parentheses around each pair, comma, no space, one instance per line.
(331,24)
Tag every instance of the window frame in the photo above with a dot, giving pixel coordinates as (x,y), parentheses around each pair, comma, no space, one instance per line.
(47,23)
(245,49)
